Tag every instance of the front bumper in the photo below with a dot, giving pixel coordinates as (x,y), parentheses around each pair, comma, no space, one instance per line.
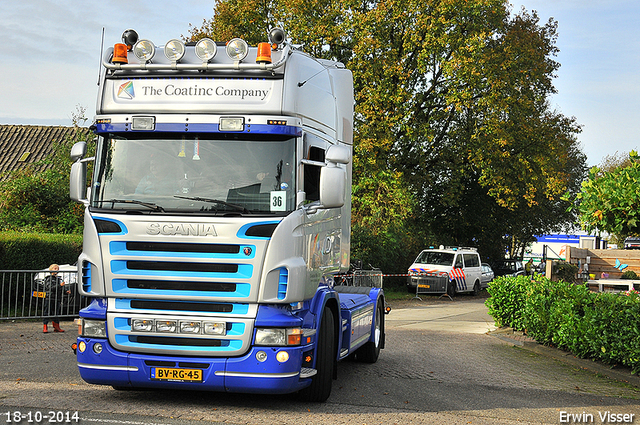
(243,374)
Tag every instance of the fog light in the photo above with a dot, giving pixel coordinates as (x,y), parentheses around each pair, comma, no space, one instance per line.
(215,328)
(282,356)
(261,356)
(166,326)
(144,50)
(143,123)
(142,325)
(237,49)
(97,348)
(82,346)
(190,327)
(206,49)
(174,50)
(231,123)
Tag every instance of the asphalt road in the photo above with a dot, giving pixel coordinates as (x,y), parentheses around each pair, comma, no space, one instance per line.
(439,366)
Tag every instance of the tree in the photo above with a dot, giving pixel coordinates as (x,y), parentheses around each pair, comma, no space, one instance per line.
(455,142)
(610,201)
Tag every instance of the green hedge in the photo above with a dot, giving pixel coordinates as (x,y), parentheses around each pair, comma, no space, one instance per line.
(34,251)
(600,326)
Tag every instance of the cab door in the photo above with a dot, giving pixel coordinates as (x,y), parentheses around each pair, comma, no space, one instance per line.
(472,269)
(457,273)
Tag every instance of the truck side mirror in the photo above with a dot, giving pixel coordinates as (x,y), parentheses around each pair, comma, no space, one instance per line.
(333,182)
(333,179)
(78,178)
(78,182)
(78,151)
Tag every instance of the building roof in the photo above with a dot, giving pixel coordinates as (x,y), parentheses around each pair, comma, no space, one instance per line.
(21,145)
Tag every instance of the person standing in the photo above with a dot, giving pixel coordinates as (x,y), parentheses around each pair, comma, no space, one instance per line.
(54,286)
(528,268)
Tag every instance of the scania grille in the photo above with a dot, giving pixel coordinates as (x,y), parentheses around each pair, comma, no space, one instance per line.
(182,270)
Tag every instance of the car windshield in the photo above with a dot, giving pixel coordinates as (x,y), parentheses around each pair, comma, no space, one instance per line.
(195,173)
(435,258)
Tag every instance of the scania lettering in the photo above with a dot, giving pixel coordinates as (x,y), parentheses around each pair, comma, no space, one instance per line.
(217,221)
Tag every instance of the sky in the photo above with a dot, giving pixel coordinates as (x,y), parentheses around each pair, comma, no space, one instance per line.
(51,52)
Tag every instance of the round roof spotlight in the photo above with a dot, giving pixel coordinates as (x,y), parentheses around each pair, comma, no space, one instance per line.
(174,50)
(129,37)
(237,49)
(277,36)
(206,49)
(144,50)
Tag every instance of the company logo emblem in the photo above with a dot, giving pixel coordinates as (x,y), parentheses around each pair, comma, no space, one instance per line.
(247,251)
(125,91)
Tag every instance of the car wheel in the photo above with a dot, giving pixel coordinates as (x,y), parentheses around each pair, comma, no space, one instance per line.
(476,289)
(451,288)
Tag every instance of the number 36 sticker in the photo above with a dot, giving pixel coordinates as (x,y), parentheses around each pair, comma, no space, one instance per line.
(278,200)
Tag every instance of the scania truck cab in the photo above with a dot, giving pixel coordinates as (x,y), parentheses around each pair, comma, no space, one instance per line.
(217,221)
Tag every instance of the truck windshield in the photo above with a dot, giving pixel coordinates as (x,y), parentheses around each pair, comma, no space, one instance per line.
(195,174)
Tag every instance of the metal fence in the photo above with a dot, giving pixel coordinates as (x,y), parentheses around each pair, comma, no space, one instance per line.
(369,278)
(25,294)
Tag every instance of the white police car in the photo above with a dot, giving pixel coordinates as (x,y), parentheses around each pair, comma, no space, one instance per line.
(447,270)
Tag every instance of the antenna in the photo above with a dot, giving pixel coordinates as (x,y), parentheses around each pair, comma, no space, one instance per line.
(101,52)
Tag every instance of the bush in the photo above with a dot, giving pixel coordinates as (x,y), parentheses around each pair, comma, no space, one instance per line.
(601,326)
(39,202)
(629,274)
(565,271)
(507,299)
(34,251)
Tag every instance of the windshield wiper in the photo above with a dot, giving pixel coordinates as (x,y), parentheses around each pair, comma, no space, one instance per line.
(214,201)
(151,205)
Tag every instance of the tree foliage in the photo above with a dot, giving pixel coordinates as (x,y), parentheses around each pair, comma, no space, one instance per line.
(610,201)
(455,141)
(39,202)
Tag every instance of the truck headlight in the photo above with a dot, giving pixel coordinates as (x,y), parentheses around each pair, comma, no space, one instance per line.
(94,328)
(280,337)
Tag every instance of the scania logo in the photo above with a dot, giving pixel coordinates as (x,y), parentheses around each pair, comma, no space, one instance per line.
(183,229)
(247,250)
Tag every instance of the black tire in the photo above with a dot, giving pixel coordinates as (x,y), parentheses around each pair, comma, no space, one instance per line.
(370,351)
(476,289)
(451,288)
(320,388)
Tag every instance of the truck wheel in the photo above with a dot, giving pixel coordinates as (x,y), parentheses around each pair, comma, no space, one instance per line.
(370,351)
(320,387)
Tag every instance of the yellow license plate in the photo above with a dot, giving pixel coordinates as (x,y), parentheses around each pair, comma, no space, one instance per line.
(424,286)
(176,374)
(37,294)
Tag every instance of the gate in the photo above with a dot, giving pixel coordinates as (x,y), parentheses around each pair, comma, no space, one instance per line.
(24,295)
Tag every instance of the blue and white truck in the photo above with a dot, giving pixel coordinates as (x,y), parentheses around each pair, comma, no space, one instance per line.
(217,221)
